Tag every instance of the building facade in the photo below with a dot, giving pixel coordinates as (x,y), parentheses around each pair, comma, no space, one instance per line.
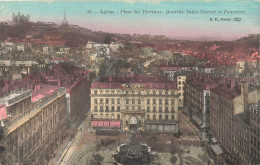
(169,71)
(34,123)
(180,80)
(145,103)
(234,121)
(197,95)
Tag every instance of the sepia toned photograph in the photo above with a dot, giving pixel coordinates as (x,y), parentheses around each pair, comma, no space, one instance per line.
(130,82)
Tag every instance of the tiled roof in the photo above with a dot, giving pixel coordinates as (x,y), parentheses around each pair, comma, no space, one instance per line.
(43,91)
(229,93)
(173,67)
(208,65)
(59,75)
(201,80)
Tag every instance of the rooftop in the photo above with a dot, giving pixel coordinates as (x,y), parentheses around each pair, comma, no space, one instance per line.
(201,80)
(182,73)
(230,93)
(174,67)
(150,82)
(232,89)
(43,91)
(209,65)
(14,96)
(65,75)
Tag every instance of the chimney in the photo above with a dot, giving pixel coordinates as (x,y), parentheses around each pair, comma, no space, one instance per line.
(58,81)
(244,93)
(140,79)
(232,83)
(110,78)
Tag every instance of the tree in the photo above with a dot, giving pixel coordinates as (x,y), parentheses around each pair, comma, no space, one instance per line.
(2,133)
(107,39)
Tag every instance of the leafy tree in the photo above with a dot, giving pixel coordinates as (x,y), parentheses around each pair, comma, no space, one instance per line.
(107,39)
(2,132)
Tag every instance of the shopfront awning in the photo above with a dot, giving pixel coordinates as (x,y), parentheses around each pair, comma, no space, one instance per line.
(217,150)
(197,120)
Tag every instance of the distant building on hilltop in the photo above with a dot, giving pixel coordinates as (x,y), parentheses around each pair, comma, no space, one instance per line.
(20,19)
(64,21)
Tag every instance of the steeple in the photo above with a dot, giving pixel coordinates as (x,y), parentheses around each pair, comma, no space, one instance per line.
(64,18)
(64,21)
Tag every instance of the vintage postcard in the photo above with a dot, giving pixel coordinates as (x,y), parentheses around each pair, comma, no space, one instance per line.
(134,82)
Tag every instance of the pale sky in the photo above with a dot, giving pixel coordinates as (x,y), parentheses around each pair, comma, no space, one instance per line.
(190,20)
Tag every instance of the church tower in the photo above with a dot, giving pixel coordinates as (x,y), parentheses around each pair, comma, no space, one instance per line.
(64,21)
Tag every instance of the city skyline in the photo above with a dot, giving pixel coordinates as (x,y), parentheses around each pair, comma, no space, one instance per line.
(178,26)
(70,95)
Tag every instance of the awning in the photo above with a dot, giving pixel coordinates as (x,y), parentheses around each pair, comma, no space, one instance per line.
(2,112)
(214,140)
(203,125)
(197,120)
(217,150)
(105,124)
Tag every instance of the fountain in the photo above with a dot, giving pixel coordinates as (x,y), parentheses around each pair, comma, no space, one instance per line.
(134,153)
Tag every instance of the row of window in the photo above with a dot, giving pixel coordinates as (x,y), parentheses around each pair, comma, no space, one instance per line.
(148,109)
(153,117)
(106,108)
(131,101)
(131,92)
(107,116)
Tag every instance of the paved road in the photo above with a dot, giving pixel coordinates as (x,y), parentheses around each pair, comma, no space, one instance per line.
(82,156)
(78,153)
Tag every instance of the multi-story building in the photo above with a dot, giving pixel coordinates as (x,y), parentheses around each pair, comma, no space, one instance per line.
(196,95)
(34,124)
(207,68)
(234,121)
(145,103)
(169,71)
(240,66)
(254,123)
(180,79)
(76,81)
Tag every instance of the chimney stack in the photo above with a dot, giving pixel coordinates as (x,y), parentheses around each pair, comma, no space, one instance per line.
(110,78)
(244,93)
(58,81)
(232,83)
(140,79)
(156,79)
